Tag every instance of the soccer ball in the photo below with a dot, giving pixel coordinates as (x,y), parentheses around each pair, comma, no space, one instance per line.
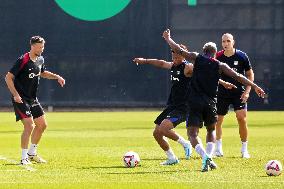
(131,159)
(273,168)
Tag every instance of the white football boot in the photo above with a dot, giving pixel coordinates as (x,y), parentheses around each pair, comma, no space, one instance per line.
(25,162)
(36,158)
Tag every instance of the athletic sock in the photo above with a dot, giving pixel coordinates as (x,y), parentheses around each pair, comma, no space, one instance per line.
(210,148)
(170,154)
(200,150)
(182,141)
(24,153)
(244,146)
(32,149)
(219,144)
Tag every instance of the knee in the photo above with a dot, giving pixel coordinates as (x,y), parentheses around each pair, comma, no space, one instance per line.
(157,132)
(28,128)
(42,127)
(241,117)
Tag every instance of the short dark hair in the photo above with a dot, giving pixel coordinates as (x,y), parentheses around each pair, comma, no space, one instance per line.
(210,48)
(36,39)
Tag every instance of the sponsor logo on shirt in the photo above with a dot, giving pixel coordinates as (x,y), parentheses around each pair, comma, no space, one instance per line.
(175,78)
(32,75)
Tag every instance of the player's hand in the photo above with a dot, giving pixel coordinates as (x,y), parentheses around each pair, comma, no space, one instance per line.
(61,81)
(244,97)
(139,61)
(18,99)
(259,91)
(228,85)
(167,34)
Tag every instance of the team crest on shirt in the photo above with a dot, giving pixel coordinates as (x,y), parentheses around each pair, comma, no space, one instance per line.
(236,63)
(32,75)
(28,113)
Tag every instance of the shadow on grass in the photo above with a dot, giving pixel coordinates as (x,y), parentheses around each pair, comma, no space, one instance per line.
(102,167)
(135,170)
(146,172)
(162,159)
(11,164)
(233,157)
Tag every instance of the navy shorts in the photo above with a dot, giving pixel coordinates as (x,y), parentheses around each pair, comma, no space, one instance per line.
(201,111)
(27,109)
(176,114)
(223,104)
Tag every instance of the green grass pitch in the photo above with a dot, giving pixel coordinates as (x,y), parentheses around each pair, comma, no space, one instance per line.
(84,150)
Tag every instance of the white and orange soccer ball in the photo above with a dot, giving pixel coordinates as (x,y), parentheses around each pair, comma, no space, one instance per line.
(273,168)
(131,159)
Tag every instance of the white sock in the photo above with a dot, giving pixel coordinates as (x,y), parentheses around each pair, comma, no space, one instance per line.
(200,150)
(24,153)
(219,144)
(170,154)
(166,139)
(210,148)
(32,150)
(244,146)
(182,141)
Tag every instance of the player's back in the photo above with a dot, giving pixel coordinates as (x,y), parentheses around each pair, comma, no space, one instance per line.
(205,77)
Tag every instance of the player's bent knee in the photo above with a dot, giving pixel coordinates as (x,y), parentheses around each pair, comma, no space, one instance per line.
(28,128)
(157,133)
(43,126)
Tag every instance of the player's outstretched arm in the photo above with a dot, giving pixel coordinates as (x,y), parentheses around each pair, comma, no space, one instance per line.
(10,84)
(227,85)
(190,56)
(250,75)
(50,75)
(154,62)
(240,78)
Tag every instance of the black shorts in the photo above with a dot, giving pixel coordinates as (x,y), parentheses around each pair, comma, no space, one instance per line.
(223,104)
(27,109)
(176,114)
(201,111)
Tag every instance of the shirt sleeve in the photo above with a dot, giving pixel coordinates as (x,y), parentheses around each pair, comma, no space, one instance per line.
(15,70)
(247,64)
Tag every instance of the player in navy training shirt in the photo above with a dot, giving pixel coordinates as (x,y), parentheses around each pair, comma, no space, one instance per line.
(203,94)
(238,61)
(22,81)
(175,112)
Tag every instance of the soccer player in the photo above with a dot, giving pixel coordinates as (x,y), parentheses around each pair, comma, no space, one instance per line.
(175,112)
(22,81)
(238,61)
(203,94)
